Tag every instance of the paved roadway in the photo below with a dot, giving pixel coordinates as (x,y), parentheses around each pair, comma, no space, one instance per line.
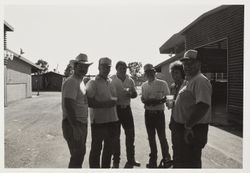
(33,137)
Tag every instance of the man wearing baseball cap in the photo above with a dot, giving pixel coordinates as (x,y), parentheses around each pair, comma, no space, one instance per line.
(102,99)
(154,93)
(75,111)
(191,114)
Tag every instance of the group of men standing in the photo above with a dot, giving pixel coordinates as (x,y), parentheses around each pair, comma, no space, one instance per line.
(108,100)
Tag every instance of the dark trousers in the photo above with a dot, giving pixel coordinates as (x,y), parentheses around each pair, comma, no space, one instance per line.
(102,133)
(77,148)
(188,155)
(155,122)
(126,121)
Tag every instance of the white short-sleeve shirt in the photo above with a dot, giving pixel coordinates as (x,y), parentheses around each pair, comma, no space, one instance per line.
(198,89)
(75,89)
(157,89)
(120,86)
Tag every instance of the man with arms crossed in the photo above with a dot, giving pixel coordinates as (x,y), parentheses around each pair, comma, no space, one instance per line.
(102,102)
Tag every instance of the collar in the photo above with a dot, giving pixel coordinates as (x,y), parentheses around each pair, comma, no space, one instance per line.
(98,77)
(126,76)
(192,78)
(152,81)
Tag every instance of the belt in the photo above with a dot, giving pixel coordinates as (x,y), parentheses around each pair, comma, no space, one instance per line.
(154,111)
(122,106)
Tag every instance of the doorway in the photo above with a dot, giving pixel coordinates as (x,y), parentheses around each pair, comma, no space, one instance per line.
(215,67)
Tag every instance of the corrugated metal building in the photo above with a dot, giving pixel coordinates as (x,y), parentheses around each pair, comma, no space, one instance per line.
(50,81)
(219,36)
(17,73)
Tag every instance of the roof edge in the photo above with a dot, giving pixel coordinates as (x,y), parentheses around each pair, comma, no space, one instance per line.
(10,28)
(172,59)
(25,60)
(210,12)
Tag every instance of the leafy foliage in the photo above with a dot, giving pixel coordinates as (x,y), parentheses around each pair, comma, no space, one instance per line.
(43,64)
(68,71)
(135,69)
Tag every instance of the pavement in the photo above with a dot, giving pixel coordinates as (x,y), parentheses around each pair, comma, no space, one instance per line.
(33,137)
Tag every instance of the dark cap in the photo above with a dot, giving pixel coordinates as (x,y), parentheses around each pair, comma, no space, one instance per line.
(148,67)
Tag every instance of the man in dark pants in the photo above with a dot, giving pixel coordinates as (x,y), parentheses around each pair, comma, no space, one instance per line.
(75,111)
(154,93)
(125,88)
(102,102)
(191,114)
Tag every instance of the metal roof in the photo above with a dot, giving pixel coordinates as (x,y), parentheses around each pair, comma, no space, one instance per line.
(179,38)
(35,67)
(215,10)
(52,72)
(175,40)
(170,60)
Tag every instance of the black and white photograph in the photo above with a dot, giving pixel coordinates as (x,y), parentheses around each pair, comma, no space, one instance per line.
(122,85)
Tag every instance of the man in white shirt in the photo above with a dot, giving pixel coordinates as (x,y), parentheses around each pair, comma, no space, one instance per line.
(154,93)
(75,111)
(102,100)
(125,88)
(191,114)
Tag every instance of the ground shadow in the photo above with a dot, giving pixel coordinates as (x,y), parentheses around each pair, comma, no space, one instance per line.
(232,127)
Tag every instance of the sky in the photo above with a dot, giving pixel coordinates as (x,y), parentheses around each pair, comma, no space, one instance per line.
(121,30)
(131,30)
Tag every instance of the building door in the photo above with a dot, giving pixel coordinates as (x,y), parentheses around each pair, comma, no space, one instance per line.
(215,67)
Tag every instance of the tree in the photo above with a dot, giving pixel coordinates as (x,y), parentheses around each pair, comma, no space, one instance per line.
(68,71)
(43,64)
(134,69)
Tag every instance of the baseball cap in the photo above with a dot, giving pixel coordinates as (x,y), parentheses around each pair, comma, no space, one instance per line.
(148,67)
(105,60)
(190,55)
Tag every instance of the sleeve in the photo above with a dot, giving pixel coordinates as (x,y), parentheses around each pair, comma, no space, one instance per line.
(165,88)
(91,88)
(143,94)
(132,83)
(70,89)
(113,89)
(203,92)
(172,89)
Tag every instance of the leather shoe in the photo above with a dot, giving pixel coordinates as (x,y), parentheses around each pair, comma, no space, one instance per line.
(151,165)
(136,163)
(115,165)
(129,165)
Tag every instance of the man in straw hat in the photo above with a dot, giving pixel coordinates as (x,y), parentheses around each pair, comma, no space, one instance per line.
(102,99)
(154,93)
(191,114)
(75,111)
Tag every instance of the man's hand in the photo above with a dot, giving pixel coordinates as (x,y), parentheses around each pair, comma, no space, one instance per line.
(188,135)
(126,92)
